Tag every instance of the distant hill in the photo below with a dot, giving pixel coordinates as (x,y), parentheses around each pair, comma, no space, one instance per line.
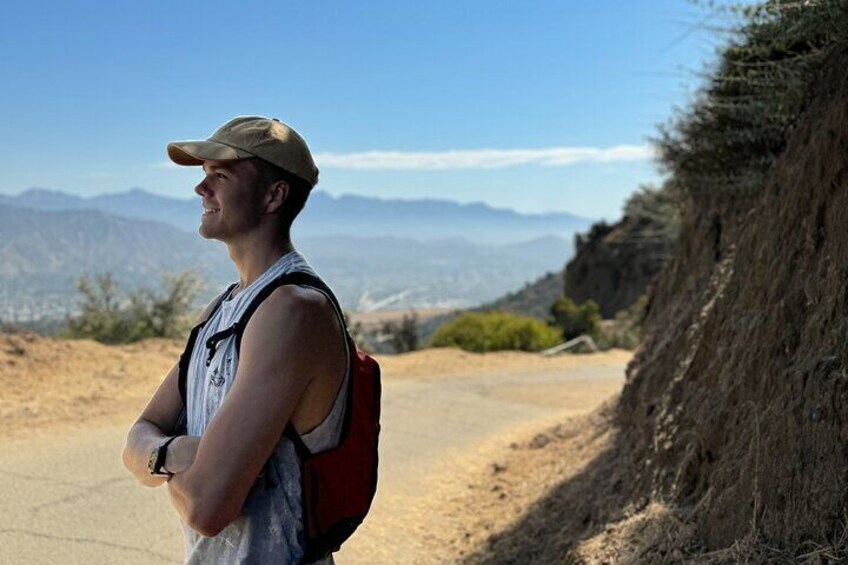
(534,299)
(43,252)
(326,215)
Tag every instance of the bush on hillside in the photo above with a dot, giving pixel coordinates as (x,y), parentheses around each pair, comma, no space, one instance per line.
(358,333)
(625,332)
(495,331)
(732,134)
(403,336)
(107,318)
(574,320)
(655,213)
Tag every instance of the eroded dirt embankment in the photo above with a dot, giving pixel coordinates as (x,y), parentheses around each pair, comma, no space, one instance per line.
(736,404)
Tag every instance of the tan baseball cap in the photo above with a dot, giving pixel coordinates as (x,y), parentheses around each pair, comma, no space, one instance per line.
(250,136)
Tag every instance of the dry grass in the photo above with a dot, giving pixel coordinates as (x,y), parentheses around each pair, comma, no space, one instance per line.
(52,384)
(561,495)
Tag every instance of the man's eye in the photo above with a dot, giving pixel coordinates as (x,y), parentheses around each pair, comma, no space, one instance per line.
(220,175)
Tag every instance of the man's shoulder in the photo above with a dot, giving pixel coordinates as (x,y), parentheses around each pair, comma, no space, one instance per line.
(297,308)
(290,297)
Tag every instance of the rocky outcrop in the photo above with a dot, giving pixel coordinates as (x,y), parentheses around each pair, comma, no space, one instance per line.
(614,265)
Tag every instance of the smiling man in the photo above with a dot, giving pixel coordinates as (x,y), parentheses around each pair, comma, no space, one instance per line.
(233,476)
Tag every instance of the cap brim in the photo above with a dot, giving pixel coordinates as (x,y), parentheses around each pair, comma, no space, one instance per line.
(194,153)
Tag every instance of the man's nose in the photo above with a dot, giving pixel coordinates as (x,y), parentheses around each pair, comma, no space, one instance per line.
(201,189)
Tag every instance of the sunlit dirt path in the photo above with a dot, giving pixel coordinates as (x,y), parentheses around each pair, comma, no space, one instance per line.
(66,498)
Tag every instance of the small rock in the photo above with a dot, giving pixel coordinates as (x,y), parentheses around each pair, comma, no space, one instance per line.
(540,441)
(498,467)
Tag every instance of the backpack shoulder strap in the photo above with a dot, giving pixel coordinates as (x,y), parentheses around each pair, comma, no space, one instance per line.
(192,338)
(296,278)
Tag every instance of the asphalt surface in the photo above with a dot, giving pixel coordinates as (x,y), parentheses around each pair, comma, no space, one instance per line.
(67,499)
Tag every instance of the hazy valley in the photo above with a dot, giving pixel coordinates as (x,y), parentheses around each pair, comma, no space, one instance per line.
(376,254)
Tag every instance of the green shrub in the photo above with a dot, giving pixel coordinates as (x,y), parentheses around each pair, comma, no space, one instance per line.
(495,331)
(574,320)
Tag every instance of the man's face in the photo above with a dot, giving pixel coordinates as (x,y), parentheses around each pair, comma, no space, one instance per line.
(231,201)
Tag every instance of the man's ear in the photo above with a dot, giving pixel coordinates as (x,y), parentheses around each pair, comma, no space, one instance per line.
(276,196)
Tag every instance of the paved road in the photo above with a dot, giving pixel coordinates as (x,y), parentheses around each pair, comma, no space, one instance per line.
(68,499)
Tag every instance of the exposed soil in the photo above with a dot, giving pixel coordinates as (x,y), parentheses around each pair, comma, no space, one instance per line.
(564,494)
(735,406)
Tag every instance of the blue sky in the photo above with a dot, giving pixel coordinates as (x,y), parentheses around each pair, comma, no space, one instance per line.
(536,106)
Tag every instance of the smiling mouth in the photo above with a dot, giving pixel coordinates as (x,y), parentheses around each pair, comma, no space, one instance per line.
(207,211)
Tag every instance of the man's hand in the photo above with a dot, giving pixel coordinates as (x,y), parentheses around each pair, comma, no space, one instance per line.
(181,453)
(155,425)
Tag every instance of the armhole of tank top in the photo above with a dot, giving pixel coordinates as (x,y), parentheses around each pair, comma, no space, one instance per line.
(343,386)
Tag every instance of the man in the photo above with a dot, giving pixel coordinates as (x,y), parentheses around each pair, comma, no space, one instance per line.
(290,367)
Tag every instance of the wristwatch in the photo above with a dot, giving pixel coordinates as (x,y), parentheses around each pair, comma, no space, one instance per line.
(156,462)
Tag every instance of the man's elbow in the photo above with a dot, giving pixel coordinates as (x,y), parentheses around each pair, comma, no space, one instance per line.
(207,516)
(206,527)
(208,523)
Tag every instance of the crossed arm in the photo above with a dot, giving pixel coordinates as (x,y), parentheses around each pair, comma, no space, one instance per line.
(288,343)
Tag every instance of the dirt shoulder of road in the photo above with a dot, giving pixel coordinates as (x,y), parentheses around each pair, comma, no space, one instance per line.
(449,363)
(553,493)
(54,385)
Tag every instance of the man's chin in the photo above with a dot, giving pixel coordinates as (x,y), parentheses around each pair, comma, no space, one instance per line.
(207,234)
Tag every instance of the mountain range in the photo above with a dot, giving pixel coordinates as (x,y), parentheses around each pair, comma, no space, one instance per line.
(327,215)
(376,254)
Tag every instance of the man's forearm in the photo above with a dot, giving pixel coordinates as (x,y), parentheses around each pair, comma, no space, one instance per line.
(180,497)
(143,439)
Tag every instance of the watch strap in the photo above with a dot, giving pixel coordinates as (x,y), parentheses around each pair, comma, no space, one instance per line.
(161,452)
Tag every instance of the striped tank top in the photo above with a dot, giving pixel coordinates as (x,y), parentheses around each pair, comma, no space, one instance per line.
(270,528)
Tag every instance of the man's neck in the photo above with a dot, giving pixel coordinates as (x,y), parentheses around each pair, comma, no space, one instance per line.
(252,261)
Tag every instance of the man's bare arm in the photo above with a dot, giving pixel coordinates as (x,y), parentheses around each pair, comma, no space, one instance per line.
(156,424)
(285,346)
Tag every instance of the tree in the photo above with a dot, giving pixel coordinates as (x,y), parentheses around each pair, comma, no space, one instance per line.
(104,317)
(166,314)
(357,331)
(575,320)
(403,337)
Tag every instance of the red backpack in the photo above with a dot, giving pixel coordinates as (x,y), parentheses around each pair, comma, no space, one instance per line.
(338,484)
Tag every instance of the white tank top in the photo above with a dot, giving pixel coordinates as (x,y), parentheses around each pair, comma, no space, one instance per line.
(270,528)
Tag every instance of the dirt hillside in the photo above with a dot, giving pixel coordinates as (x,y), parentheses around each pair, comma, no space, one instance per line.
(736,405)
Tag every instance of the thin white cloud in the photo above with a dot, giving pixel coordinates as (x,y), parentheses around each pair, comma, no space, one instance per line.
(482,158)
